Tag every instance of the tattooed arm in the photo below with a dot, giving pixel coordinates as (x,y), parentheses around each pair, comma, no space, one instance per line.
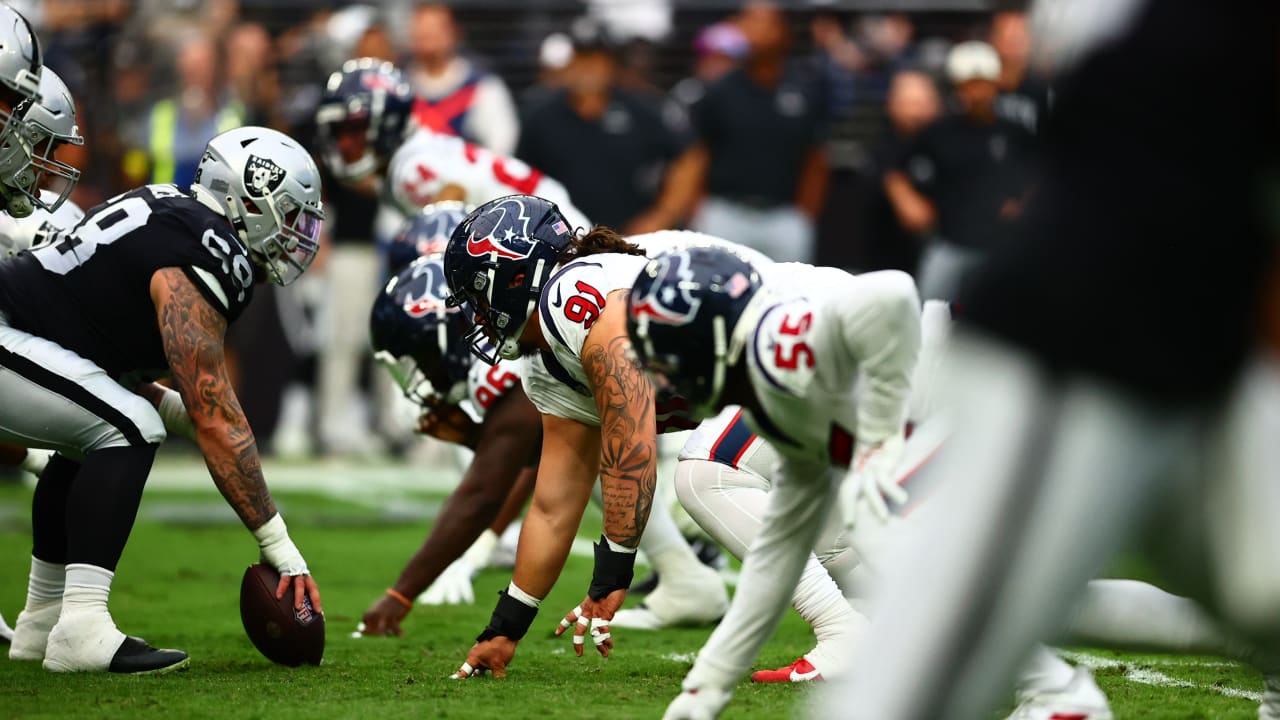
(192,331)
(628,428)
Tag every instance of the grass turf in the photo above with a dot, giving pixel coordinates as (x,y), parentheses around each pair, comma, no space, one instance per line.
(178,587)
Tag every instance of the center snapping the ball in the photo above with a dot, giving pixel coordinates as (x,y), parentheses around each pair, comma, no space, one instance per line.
(282,634)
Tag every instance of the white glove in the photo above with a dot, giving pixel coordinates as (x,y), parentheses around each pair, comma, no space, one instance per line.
(453,587)
(35,460)
(873,481)
(697,704)
(278,550)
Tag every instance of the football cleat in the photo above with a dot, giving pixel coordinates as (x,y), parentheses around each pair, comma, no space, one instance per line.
(1079,699)
(799,671)
(136,657)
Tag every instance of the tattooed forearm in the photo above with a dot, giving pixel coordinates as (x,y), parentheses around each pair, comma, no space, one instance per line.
(192,332)
(628,438)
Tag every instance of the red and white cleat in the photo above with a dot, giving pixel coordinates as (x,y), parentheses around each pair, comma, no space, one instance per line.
(799,671)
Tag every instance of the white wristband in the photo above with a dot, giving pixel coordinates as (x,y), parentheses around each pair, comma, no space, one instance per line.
(278,550)
(35,460)
(524,597)
(177,421)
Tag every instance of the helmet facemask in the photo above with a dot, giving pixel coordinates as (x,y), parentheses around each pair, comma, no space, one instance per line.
(290,246)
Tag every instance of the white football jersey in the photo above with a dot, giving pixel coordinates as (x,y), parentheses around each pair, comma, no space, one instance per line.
(830,359)
(573,298)
(486,383)
(429,161)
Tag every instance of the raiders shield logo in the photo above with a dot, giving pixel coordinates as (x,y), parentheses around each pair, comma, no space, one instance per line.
(261,176)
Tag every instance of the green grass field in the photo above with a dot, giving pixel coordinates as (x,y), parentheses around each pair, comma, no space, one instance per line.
(178,586)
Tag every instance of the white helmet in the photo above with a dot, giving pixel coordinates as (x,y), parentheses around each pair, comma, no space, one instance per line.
(20,71)
(18,234)
(269,188)
(50,123)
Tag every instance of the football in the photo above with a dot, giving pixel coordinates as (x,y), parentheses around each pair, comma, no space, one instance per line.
(282,634)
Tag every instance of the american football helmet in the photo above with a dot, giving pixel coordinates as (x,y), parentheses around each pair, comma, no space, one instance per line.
(366,112)
(498,260)
(21,66)
(50,123)
(681,315)
(18,234)
(269,188)
(417,337)
(425,233)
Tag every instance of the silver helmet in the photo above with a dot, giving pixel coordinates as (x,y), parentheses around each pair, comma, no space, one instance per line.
(50,123)
(20,71)
(269,188)
(18,234)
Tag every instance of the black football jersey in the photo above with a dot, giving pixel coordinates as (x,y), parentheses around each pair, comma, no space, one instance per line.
(88,288)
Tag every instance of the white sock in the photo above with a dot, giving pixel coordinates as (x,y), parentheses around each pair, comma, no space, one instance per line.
(45,583)
(87,589)
(836,625)
(668,552)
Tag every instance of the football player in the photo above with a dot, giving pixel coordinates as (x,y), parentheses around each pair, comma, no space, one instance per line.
(144,285)
(829,357)
(424,234)
(539,290)
(419,340)
(25,165)
(366,128)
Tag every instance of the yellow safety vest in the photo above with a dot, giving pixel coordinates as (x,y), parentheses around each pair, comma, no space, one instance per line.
(164,128)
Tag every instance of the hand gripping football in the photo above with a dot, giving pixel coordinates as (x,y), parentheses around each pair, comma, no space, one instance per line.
(282,634)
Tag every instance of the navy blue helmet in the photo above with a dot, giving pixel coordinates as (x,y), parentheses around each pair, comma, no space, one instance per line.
(364,115)
(498,261)
(425,233)
(681,313)
(417,337)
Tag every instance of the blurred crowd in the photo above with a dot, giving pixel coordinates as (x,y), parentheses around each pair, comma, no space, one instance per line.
(866,141)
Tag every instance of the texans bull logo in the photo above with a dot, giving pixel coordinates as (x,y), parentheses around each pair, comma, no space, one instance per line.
(426,291)
(504,230)
(668,299)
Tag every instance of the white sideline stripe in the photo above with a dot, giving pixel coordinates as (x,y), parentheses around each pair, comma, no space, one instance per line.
(1146,676)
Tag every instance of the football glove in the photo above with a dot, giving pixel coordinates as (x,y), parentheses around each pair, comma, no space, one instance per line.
(872,483)
(453,587)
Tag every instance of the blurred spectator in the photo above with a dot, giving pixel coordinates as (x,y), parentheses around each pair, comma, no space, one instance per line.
(554,55)
(1024,97)
(251,74)
(760,147)
(609,146)
(375,42)
(458,97)
(718,49)
(912,105)
(178,127)
(965,177)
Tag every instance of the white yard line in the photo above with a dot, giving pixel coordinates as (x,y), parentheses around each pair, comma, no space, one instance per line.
(1135,672)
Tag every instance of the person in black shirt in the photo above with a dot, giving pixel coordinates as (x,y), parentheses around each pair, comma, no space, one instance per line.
(1023,95)
(913,104)
(592,124)
(965,177)
(144,285)
(761,146)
